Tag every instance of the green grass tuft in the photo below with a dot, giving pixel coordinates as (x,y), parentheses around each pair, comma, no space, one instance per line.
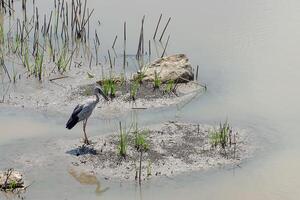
(122,147)
(170,86)
(220,137)
(141,144)
(109,87)
(134,89)
(157,81)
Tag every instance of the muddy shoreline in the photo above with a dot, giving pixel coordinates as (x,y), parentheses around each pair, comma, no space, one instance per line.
(62,95)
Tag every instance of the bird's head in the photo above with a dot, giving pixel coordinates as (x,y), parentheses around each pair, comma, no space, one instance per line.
(98,90)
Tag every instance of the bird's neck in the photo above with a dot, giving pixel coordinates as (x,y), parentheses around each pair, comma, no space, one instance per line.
(97,98)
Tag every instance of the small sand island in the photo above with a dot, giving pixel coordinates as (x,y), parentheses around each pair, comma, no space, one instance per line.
(162,150)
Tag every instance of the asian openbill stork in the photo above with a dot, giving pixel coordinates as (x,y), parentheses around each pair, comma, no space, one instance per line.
(83,111)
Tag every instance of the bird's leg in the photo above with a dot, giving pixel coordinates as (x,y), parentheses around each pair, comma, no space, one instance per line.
(86,141)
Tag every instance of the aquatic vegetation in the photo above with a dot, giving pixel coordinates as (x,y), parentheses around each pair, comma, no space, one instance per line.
(165,48)
(25,58)
(1,34)
(38,69)
(11,180)
(122,147)
(63,60)
(157,81)
(134,89)
(12,185)
(153,152)
(149,173)
(2,64)
(109,87)
(165,28)
(14,75)
(45,42)
(112,89)
(106,86)
(17,43)
(30,46)
(170,87)
(221,136)
(122,78)
(140,76)
(141,144)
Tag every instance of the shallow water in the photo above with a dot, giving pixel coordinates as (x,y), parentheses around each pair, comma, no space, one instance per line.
(248,52)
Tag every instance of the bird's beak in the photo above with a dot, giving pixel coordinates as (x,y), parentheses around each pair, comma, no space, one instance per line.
(104,96)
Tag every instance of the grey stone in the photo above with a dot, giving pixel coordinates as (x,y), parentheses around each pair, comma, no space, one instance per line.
(175,67)
(15,178)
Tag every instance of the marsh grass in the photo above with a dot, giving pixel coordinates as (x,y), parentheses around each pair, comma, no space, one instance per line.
(109,87)
(157,81)
(62,62)
(17,43)
(38,69)
(45,43)
(134,87)
(140,75)
(149,167)
(13,185)
(221,136)
(10,183)
(141,143)
(106,86)
(122,79)
(122,147)
(25,58)
(27,29)
(142,146)
(14,75)
(170,87)
(112,89)
(1,34)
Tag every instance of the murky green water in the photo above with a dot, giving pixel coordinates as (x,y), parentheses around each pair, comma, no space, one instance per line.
(248,52)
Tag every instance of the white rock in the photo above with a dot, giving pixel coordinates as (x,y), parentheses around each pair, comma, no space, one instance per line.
(175,67)
(14,178)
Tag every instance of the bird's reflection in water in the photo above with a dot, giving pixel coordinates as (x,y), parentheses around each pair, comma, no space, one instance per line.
(86,178)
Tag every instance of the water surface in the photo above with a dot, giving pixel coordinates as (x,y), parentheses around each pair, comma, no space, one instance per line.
(248,52)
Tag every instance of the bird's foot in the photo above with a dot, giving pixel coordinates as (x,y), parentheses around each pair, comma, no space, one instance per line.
(86,142)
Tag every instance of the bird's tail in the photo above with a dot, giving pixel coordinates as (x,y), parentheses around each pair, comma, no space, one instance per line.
(71,122)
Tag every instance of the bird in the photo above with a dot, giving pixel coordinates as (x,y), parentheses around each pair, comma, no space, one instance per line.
(83,111)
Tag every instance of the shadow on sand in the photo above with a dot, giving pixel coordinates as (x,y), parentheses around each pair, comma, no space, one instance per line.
(82,150)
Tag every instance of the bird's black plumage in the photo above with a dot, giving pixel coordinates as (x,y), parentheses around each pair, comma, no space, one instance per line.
(74,119)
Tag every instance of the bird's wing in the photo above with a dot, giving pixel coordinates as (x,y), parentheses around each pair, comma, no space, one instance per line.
(87,109)
(77,110)
(74,119)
